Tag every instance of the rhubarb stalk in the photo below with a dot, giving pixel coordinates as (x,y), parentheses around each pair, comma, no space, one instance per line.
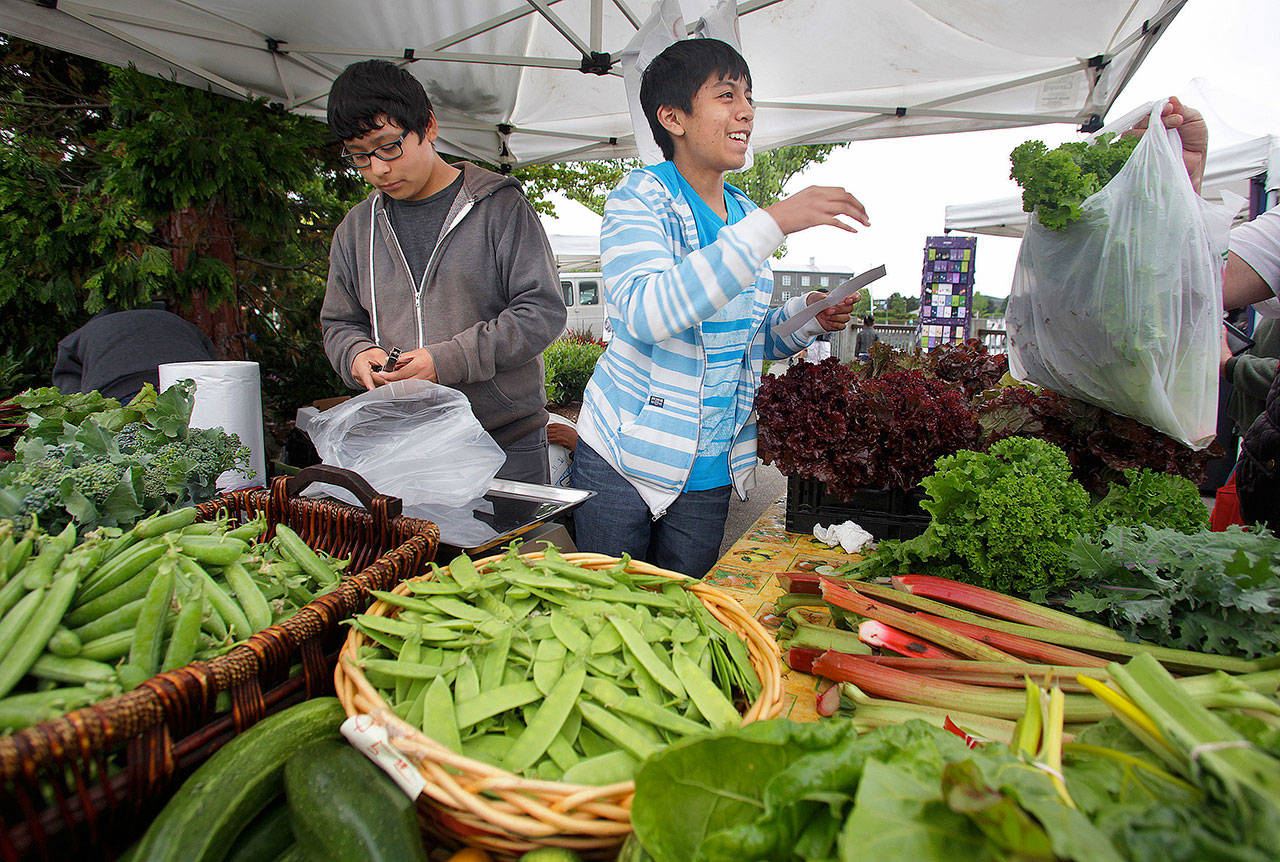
(886,682)
(1024,648)
(877,634)
(856,602)
(995,604)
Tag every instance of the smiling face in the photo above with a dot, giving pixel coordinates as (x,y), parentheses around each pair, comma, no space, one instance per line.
(418,171)
(713,136)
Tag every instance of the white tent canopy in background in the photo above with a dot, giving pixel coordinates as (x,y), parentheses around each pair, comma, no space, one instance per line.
(1229,169)
(507,79)
(576,253)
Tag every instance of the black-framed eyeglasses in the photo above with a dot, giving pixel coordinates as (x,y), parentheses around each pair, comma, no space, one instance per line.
(387,152)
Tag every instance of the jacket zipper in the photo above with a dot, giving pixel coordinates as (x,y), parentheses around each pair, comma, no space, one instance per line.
(417,293)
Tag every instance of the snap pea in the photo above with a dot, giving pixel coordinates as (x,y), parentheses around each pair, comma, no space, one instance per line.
(250,531)
(439,721)
(212,550)
(548,662)
(232,614)
(612,767)
(616,730)
(643,653)
(122,617)
(20,554)
(248,596)
(15,621)
(561,748)
(466,684)
(18,711)
(39,572)
(495,702)
(121,569)
(130,591)
(163,522)
(493,659)
(575,640)
(186,628)
(659,716)
(108,647)
(145,652)
(64,643)
(43,622)
(293,548)
(76,670)
(550,716)
(411,670)
(706,695)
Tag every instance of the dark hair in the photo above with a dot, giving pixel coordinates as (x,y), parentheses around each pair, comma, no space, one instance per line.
(675,75)
(373,88)
(868,319)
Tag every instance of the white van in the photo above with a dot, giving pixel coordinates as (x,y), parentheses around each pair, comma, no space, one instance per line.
(583,294)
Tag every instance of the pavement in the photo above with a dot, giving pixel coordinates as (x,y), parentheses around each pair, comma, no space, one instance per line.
(770,485)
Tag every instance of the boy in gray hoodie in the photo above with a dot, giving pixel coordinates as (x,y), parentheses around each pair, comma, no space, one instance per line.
(448,263)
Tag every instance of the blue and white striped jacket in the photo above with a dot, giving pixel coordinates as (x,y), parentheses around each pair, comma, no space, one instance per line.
(641,410)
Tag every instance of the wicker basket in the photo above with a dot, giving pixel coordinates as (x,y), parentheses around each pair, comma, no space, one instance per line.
(88,784)
(466,801)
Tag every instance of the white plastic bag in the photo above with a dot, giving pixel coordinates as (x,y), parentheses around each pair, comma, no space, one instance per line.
(411,439)
(1123,309)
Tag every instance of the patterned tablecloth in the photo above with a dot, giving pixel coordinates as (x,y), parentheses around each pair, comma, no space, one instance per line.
(748,572)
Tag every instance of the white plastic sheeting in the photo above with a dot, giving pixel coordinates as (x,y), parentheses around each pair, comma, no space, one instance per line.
(505,75)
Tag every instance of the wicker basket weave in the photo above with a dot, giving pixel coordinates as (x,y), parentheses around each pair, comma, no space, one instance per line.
(467,801)
(86,785)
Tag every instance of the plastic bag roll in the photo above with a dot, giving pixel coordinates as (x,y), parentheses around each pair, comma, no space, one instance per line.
(228,396)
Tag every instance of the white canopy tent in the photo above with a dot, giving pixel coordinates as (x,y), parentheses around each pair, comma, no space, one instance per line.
(576,253)
(1229,169)
(525,81)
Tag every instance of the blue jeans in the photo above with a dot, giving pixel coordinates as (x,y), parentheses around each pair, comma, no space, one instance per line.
(616,521)
(527,459)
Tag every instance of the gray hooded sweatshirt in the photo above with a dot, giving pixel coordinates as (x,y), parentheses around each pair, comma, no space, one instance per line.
(489,303)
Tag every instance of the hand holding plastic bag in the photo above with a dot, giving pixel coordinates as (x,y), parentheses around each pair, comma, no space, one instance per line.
(411,439)
(1123,309)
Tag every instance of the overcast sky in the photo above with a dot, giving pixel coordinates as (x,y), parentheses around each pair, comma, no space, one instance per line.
(1219,50)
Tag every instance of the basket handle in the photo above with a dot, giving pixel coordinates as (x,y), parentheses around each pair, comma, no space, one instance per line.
(343,478)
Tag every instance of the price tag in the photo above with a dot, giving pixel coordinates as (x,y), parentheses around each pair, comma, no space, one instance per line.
(371,738)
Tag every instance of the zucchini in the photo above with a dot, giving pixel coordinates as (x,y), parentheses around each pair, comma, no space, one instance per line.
(266,837)
(233,786)
(343,807)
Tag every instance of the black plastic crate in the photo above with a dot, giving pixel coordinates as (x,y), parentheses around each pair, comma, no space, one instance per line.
(885,514)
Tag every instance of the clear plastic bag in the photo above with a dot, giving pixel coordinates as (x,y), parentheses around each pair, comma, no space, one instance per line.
(1123,309)
(411,439)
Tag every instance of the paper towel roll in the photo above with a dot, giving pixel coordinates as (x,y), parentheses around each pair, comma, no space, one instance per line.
(228,396)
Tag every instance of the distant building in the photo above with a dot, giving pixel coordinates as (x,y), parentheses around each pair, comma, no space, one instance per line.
(794,282)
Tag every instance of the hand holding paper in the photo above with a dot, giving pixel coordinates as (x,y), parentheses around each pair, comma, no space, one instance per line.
(835,297)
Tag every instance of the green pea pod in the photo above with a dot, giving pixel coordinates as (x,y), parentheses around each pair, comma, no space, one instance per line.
(186,630)
(541,730)
(148,636)
(643,653)
(495,702)
(65,643)
(20,555)
(161,523)
(15,621)
(231,613)
(124,617)
(18,711)
(130,591)
(464,571)
(77,670)
(249,596)
(249,531)
(617,731)
(39,572)
(212,550)
(108,647)
(439,721)
(120,569)
(292,546)
(717,709)
(41,627)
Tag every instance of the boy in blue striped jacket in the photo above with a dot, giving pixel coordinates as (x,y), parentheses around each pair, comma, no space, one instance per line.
(667,427)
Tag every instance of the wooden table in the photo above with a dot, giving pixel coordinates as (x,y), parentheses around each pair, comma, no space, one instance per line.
(748,572)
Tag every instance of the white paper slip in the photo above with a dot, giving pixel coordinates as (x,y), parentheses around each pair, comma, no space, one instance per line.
(371,738)
(837,295)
